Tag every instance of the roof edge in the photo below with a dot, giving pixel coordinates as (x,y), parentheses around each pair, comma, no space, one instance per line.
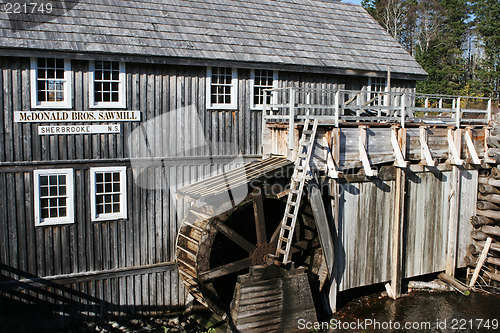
(26,53)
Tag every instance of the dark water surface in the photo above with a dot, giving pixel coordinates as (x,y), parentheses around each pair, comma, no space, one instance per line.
(420,312)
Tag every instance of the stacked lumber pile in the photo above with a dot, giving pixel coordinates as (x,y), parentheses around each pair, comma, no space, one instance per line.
(486,233)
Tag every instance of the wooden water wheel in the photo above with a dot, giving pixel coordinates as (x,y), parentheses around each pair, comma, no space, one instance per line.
(211,251)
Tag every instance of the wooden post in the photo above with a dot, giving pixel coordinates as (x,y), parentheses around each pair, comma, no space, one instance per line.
(337,108)
(397,224)
(454,215)
(335,195)
(403,110)
(488,111)
(457,115)
(291,120)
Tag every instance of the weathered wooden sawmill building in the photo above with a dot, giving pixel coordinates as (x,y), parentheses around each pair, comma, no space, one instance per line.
(107,107)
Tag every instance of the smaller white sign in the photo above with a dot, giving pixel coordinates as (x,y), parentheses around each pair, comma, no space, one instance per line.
(78,129)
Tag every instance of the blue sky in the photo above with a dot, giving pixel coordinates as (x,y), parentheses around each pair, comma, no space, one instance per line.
(358,2)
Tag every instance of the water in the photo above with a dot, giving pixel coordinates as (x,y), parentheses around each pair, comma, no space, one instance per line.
(420,312)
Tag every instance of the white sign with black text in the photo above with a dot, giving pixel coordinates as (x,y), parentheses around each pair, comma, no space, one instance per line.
(78,129)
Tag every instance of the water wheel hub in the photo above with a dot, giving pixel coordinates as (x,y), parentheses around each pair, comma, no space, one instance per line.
(260,253)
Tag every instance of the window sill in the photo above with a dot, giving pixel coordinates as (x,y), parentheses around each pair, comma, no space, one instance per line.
(51,106)
(109,218)
(222,108)
(53,223)
(107,106)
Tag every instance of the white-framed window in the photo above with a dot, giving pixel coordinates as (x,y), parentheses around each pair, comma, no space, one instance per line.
(261,79)
(375,85)
(50,83)
(54,197)
(108,193)
(107,84)
(222,88)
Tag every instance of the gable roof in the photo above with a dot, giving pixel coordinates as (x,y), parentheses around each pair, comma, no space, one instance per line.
(309,33)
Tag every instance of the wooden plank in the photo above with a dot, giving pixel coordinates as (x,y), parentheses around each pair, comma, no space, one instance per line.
(454,214)
(470,147)
(322,225)
(481,261)
(260,220)
(362,153)
(398,222)
(426,155)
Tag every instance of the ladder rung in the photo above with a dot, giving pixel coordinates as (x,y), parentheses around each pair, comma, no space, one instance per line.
(284,240)
(292,203)
(307,132)
(301,155)
(286,227)
(294,191)
(298,179)
(306,143)
(281,251)
(289,215)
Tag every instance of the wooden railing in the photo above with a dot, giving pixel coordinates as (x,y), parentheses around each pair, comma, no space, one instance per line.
(336,107)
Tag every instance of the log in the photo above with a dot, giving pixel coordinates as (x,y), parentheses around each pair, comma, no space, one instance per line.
(493,151)
(472,261)
(494,246)
(489,181)
(478,221)
(492,276)
(495,198)
(491,230)
(454,283)
(488,189)
(492,214)
(485,205)
(493,141)
(495,173)
(432,285)
(478,235)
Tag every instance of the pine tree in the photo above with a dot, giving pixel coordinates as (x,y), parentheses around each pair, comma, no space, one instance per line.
(487,26)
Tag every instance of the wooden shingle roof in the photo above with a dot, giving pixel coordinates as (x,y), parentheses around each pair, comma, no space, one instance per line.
(309,33)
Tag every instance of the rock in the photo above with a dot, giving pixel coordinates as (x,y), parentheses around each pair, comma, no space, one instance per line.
(134,322)
(114,324)
(158,321)
(174,321)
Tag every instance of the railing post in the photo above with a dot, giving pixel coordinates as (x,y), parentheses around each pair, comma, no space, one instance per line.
(457,116)
(403,109)
(337,108)
(488,110)
(291,121)
(440,103)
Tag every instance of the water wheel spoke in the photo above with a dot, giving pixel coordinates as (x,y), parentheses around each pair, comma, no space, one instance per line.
(260,221)
(225,269)
(276,233)
(235,237)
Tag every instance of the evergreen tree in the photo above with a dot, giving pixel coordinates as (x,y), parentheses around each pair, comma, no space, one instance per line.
(487,26)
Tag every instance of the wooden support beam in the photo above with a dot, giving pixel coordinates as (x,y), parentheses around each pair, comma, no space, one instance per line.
(400,160)
(454,143)
(335,205)
(454,215)
(397,223)
(322,225)
(363,155)
(487,134)
(332,169)
(424,148)
(470,146)
(480,262)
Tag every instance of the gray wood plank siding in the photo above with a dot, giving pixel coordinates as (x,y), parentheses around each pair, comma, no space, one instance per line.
(112,266)
(366,219)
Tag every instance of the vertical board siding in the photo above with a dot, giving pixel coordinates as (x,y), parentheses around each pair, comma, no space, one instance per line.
(364,231)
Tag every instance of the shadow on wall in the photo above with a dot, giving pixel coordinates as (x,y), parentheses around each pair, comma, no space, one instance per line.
(35,304)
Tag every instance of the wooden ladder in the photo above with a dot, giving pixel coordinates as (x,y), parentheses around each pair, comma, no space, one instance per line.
(297,182)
